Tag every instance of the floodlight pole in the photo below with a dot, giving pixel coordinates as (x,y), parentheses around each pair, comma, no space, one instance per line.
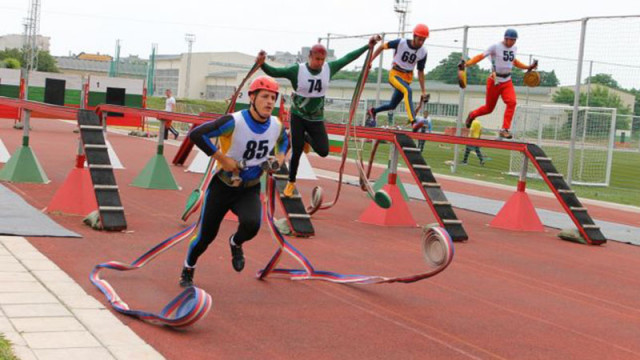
(576,100)
(465,53)
(190,38)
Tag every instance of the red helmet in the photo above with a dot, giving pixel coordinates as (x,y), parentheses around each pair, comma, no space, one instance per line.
(421,30)
(264,83)
(318,49)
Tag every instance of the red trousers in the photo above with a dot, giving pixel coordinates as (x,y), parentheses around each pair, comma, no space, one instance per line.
(508,94)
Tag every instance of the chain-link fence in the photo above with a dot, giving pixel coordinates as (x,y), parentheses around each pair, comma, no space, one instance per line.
(595,57)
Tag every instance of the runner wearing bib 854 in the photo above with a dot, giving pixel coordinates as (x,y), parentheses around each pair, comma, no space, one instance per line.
(247,138)
(310,82)
(499,84)
(408,54)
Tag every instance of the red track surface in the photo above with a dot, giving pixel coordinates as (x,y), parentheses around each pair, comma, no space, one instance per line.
(506,294)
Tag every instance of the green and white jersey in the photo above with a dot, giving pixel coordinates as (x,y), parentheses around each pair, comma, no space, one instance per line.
(313,85)
(308,97)
(310,86)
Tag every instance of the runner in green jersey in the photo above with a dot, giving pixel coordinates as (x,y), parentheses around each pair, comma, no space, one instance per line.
(310,82)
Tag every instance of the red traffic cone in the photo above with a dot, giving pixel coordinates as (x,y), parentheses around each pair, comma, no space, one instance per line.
(518,213)
(76,195)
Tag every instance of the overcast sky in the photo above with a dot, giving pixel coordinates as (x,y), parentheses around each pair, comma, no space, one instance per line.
(250,25)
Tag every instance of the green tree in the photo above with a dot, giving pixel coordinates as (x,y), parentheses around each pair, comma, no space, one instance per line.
(600,96)
(604,79)
(12,63)
(565,96)
(46,62)
(10,53)
(447,71)
(548,79)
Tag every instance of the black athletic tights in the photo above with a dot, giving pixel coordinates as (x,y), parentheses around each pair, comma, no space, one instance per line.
(302,131)
(219,199)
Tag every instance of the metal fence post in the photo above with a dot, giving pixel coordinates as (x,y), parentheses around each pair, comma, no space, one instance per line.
(612,138)
(465,52)
(526,99)
(393,164)
(576,100)
(26,120)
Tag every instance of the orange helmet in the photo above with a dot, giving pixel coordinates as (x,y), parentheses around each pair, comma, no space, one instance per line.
(264,83)
(318,49)
(421,30)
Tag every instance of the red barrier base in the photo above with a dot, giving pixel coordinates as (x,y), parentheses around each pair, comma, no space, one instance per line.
(518,214)
(76,195)
(397,215)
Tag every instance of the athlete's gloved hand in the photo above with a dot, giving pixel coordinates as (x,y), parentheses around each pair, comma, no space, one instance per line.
(374,39)
(227,163)
(262,56)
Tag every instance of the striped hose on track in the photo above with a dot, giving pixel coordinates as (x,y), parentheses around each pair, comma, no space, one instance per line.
(186,309)
(437,248)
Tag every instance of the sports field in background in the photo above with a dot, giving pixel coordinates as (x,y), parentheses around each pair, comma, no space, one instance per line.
(625,172)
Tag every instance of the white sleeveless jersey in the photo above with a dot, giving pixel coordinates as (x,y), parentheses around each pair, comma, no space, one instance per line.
(406,58)
(313,86)
(502,59)
(250,146)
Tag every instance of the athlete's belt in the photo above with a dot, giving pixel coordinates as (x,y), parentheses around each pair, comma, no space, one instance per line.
(505,75)
(398,68)
(232,182)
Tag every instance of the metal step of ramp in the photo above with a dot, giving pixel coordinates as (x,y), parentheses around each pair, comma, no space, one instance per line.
(296,213)
(430,188)
(104,182)
(567,197)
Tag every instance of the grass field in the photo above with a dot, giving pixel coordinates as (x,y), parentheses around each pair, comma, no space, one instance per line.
(625,172)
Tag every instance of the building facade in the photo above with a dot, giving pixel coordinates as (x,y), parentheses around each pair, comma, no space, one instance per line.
(16,41)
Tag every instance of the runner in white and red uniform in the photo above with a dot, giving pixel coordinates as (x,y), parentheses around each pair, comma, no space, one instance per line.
(499,84)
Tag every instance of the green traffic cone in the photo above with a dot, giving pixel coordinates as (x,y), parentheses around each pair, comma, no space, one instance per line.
(23,167)
(156,175)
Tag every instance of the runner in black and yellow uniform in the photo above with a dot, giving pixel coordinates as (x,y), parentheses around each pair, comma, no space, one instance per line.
(408,54)
(310,82)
